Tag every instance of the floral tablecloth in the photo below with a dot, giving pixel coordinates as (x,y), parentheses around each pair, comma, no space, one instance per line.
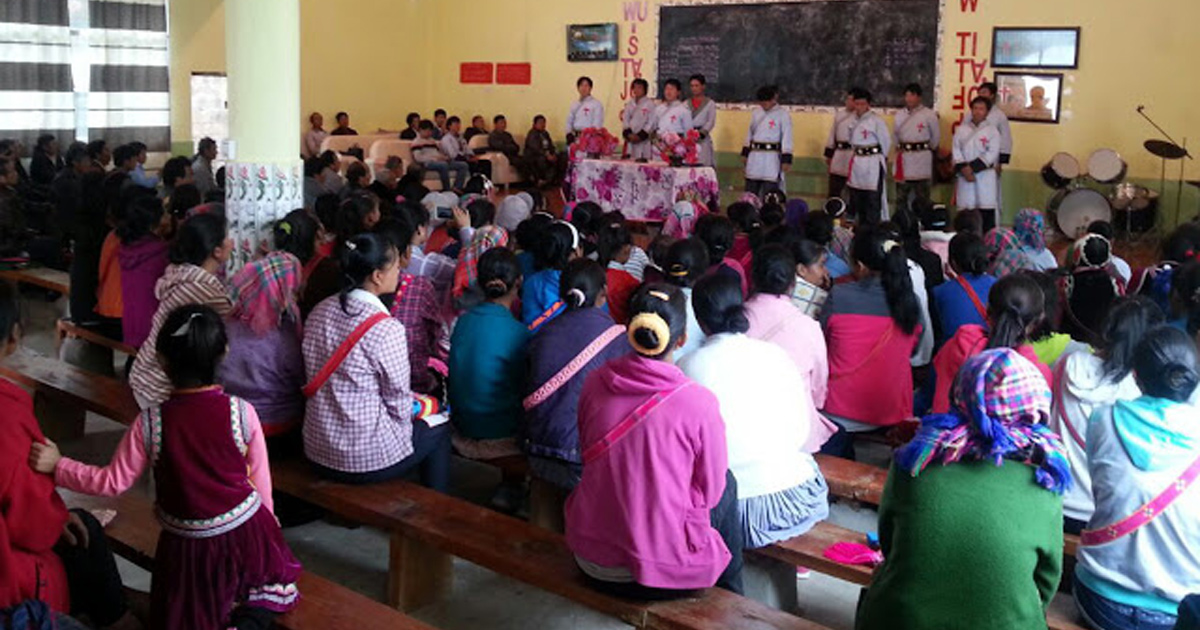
(643,192)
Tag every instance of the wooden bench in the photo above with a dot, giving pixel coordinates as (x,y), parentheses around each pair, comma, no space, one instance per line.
(324,605)
(52,279)
(66,328)
(63,394)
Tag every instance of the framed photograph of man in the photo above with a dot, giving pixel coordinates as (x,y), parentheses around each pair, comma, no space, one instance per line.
(1029,97)
(1041,48)
(592,42)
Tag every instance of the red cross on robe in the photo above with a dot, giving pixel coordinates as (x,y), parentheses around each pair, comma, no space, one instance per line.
(771,124)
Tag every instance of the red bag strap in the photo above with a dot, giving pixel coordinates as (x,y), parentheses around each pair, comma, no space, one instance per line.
(962,282)
(339,355)
(1060,382)
(598,448)
(573,367)
(1144,514)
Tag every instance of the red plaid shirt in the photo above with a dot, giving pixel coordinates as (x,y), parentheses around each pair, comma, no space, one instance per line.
(416,306)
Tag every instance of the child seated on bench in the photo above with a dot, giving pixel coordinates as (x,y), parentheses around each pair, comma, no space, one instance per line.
(221,560)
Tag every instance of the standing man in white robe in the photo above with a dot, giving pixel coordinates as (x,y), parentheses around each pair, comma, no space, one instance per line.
(977,145)
(586,113)
(638,122)
(672,115)
(837,148)
(704,118)
(918,133)
(871,140)
(768,148)
(1000,122)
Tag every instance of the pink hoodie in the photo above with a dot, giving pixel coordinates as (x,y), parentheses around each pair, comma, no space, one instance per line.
(970,340)
(644,504)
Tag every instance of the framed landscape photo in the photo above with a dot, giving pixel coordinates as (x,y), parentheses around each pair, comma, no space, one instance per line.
(1042,48)
(592,42)
(1029,97)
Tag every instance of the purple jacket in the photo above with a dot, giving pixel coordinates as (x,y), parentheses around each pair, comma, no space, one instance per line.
(644,505)
(552,427)
(267,372)
(142,262)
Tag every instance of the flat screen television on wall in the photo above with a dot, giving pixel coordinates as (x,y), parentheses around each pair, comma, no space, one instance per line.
(592,42)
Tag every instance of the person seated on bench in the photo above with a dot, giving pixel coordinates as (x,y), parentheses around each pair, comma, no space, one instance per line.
(201,248)
(1089,381)
(615,252)
(540,303)
(357,214)
(1090,289)
(971,518)
(655,513)
(561,356)
(718,234)
(472,243)
(143,260)
(46,552)
(1048,341)
(767,415)
(359,425)
(412,123)
(1015,308)
(686,263)
(542,164)
(773,318)
(872,327)
(427,152)
(1144,457)
(478,128)
(264,365)
(963,301)
(221,560)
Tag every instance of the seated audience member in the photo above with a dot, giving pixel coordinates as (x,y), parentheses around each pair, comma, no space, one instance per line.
(359,426)
(221,559)
(66,193)
(586,216)
(264,365)
(1015,310)
(818,228)
(673,527)
(501,141)
(201,248)
(343,125)
(427,152)
(561,356)
(1136,559)
(110,306)
(1090,289)
(1048,342)
(916,275)
(1086,382)
(513,211)
(774,319)
(748,229)
(543,165)
(559,245)
(314,136)
(45,161)
(454,146)
(314,181)
(1030,228)
(436,266)
(358,180)
(139,175)
(1120,265)
(182,202)
(935,231)
(964,300)
(416,306)
(48,553)
(478,128)
(718,233)
(872,327)
(357,214)
(439,123)
(487,364)
(484,239)
(528,233)
(1186,291)
(176,172)
(990,458)
(386,184)
(813,282)
(614,247)
(768,419)
(142,257)
(910,235)
(411,129)
(1180,248)
(686,263)
(331,166)
(1004,253)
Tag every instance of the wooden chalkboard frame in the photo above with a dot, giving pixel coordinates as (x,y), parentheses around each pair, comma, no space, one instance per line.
(832,108)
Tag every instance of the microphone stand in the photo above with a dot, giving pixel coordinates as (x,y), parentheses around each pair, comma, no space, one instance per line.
(1141,110)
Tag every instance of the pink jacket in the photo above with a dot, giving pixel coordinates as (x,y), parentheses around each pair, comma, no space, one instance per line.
(644,504)
(775,319)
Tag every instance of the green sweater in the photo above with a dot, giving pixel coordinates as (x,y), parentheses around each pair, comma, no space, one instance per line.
(969,545)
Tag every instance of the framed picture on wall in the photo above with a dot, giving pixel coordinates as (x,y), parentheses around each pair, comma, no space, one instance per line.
(592,42)
(1026,97)
(1042,48)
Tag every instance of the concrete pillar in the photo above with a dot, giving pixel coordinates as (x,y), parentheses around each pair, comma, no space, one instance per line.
(264,174)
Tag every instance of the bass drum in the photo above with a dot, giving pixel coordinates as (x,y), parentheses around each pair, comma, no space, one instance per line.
(1106,166)
(1075,210)
(1060,171)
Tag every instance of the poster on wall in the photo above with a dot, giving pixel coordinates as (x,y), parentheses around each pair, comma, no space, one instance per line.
(1045,48)
(1030,97)
(592,42)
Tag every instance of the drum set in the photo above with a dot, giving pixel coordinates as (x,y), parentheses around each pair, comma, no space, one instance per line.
(1076,204)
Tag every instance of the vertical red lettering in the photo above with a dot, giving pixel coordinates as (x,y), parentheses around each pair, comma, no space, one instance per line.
(973,4)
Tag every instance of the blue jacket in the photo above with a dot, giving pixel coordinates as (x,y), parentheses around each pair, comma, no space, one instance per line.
(954,307)
(538,294)
(487,366)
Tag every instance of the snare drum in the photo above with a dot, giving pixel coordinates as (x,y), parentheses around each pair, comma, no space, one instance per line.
(1060,171)
(1106,166)
(1136,207)
(1075,210)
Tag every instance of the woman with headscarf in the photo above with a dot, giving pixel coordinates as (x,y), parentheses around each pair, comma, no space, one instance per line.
(962,475)
(1004,252)
(1030,228)
(486,238)
(1090,289)
(264,365)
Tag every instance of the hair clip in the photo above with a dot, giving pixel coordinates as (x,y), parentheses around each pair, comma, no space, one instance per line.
(285,227)
(578,292)
(186,326)
(889,245)
(660,295)
(351,246)
(655,323)
(574,233)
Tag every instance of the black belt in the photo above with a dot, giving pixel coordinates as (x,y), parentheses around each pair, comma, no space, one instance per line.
(766,146)
(842,146)
(914,146)
(871,150)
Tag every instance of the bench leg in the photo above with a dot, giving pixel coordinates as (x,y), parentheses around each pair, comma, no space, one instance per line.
(417,573)
(546,505)
(771,582)
(60,419)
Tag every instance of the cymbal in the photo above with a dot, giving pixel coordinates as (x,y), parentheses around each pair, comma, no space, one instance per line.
(1164,149)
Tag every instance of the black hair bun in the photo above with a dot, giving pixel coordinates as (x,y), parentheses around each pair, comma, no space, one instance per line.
(646,338)
(495,288)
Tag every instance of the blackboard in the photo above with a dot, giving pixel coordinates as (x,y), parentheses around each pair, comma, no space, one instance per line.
(813,50)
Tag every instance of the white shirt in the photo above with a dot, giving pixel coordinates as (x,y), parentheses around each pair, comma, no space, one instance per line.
(313,140)
(1000,120)
(914,127)
(674,118)
(585,113)
(772,126)
(869,130)
(767,418)
(839,159)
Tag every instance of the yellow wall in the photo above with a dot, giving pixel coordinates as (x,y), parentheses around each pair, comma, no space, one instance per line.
(197,30)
